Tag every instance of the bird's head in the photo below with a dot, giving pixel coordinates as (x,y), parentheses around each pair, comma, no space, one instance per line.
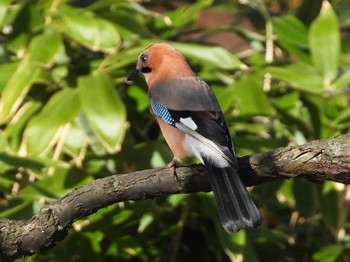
(160,62)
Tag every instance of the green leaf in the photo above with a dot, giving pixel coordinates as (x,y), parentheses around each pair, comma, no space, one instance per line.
(7,70)
(293,50)
(48,187)
(4,6)
(342,120)
(124,58)
(16,88)
(103,109)
(217,57)
(328,253)
(25,162)
(16,210)
(324,41)
(290,29)
(145,221)
(60,110)
(92,32)
(42,52)
(15,127)
(249,96)
(75,140)
(129,26)
(343,80)
(177,199)
(45,48)
(93,141)
(300,75)
(140,96)
(183,16)
(286,190)
(34,163)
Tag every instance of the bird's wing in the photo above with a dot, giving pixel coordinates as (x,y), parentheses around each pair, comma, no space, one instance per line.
(186,93)
(189,105)
(207,127)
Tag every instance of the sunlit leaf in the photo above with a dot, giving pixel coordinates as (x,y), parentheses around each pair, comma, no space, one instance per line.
(299,75)
(285,193)
(42,52)
(343,80)
(213,56)
(75,140)
(128,25)
(60,110)
(288,102)
(328,253)
(296,51)
(249,98)
(16,88)
(93,32)
(44,49)
(140,96)
(176,200)
(15,127)
(238,242)
(342,119)
(184,15)
(289,28)
(124,58)
(7,70)
(103,109)
(324,40)
(4,5)
(145,221)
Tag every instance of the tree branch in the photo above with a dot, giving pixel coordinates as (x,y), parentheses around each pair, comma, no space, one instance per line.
(317,161)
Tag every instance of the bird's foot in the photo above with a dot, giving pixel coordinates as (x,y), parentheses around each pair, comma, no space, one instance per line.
(172,165)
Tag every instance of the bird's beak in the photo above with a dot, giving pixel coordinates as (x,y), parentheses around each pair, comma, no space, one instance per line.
(134,75)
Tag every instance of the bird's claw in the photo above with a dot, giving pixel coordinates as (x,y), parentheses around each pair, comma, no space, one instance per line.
(172,165)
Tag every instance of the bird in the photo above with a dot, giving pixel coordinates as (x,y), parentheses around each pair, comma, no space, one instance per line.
(193,124)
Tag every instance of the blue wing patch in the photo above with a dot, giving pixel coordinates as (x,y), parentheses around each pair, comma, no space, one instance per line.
(161,111)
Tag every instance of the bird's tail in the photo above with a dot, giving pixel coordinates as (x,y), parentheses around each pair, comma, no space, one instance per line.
(235,206)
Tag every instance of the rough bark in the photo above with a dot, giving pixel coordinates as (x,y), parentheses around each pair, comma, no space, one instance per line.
(316,161)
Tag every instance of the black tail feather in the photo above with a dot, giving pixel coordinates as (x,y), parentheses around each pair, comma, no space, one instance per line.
(235,206)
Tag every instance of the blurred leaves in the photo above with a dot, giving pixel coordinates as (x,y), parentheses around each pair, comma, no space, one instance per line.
(216,57)
(67,117)
(62,107)
(41,53)
(92,32)
(103,109)
(290,29)
(4,5)
(325,42)
(299,75)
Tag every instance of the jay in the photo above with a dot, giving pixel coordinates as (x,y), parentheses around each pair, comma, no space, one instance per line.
(193,124)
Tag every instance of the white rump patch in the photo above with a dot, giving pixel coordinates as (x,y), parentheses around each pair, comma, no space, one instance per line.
(199,149)
(200,146)
(189,122)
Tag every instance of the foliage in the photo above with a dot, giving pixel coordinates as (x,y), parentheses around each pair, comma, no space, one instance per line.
(67,117)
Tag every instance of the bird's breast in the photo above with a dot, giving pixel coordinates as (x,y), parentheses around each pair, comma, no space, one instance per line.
(175,140)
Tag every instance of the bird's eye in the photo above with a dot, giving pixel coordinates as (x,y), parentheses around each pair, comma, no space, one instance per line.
(144,58)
